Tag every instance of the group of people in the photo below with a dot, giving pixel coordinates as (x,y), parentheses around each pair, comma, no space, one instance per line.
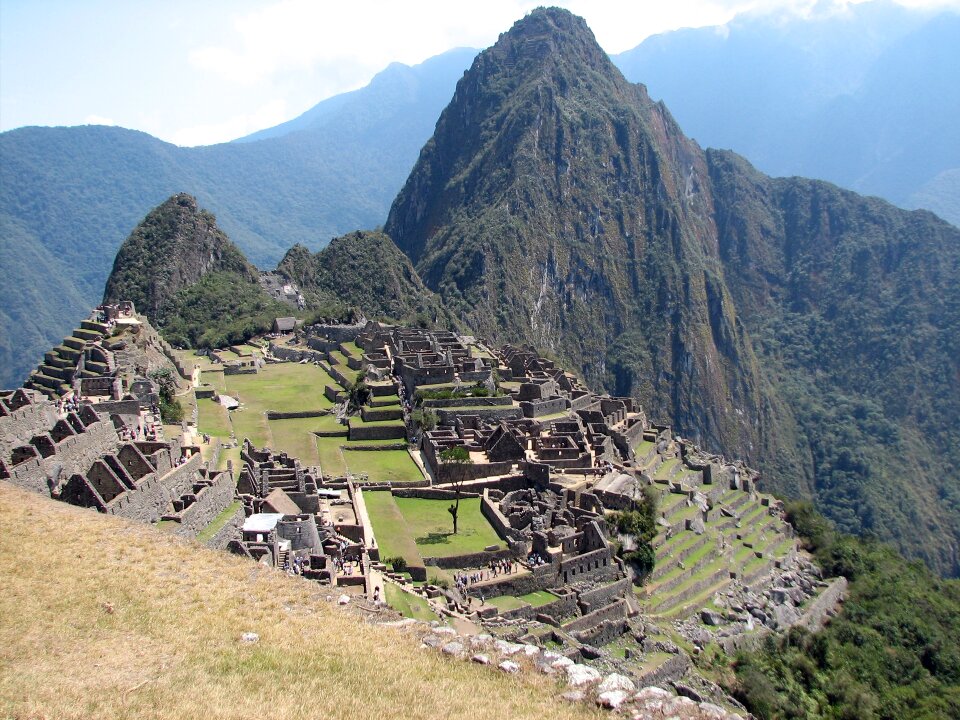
(602,467)
(534,559)
(298,565)
(495,568)
(69,404)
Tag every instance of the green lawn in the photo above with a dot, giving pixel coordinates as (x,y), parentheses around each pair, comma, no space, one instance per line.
(382,465)
(408,605)
(212,418)
(538,598)
(430,525)
(248,423)
(390,528)
(353,349)
(230,454)
(295,437)
(328,423)
(506,602)
(335,455)
(284,387)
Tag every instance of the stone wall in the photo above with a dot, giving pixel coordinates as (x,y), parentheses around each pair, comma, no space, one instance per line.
(471,560)
(285,352)
(23,423)
(448,417)
(816,614)
(360,431)
(539,408)
(370,414)
(603,633)
(593,599)
(539,578)
(229,531)
(491,511)
(617,610)
(671,669)
(500,401)
(563,606)
(277,415)
(596,566)
(210,502)
(429,493)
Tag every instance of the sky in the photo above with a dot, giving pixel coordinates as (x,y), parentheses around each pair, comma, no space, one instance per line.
(198,72)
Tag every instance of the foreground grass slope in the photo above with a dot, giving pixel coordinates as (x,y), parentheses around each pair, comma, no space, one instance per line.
(104,618)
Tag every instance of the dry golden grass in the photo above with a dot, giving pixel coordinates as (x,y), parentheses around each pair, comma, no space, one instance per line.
(103,618)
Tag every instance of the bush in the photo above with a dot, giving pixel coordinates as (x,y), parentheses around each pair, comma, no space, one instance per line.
(398,564)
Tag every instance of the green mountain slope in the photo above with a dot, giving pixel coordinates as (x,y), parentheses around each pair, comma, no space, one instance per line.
(366,271)
(557,204)
(71,195)
(182,272)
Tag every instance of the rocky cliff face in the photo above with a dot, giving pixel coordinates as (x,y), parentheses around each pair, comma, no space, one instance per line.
(556,204)
(174,246)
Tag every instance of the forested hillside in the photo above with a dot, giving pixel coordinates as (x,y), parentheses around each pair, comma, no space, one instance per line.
(69,196)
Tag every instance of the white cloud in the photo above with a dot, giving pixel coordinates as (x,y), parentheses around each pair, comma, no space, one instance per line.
(267,115)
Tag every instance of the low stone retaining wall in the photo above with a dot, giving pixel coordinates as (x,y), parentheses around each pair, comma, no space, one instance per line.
(471,402)
(563,606)
(594,599)
(815,616)
(371,414)
(617,610)
(471,560)
(431,493)
(277,415)
(229,531)
(359,431)
(448,417)
(671,669)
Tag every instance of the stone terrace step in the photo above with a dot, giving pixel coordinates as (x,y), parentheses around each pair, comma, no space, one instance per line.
(89,335)
(671,560)
(68,353)
(701,558)
(687,607)
(39,379)
(74,343)
(95,326)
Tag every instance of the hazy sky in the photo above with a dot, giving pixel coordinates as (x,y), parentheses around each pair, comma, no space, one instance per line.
(203,71)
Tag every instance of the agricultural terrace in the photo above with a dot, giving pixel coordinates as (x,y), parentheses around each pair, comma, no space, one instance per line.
(322,440)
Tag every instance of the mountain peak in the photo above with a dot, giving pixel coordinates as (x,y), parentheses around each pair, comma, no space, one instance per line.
(552,35)
(176,244)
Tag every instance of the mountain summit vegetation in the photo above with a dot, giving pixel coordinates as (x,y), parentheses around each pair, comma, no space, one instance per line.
(785,321)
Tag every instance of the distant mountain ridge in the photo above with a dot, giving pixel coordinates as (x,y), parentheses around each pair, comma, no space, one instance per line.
(799,326)
(69,196)
(865,97)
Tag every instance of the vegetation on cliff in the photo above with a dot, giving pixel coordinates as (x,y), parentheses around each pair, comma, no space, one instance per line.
(367,272)
(893,652)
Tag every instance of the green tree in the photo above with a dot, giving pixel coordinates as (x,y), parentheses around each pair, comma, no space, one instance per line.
(358,393)
(171,411)
(456,458)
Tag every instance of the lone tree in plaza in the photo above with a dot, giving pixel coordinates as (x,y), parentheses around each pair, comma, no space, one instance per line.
(456,458)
